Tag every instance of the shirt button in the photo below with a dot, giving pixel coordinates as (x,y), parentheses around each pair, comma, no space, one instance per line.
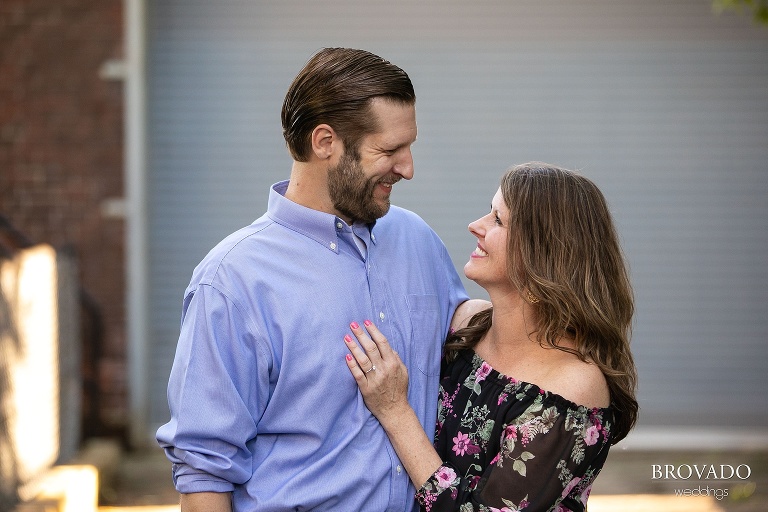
(381,315)
(333,246)
(399,470)
(338,225)
(373,237)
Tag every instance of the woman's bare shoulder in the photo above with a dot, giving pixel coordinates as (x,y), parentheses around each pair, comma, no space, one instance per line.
(467,310)
(583,383)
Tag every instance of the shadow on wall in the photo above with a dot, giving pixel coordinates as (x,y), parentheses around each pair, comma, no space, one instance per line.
(9,348)
(40,358)
(88,318)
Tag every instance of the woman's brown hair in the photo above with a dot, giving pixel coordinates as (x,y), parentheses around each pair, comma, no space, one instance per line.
(563,249)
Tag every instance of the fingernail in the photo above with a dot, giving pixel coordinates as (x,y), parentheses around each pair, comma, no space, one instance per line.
(348,338)
(367,323)
(349,357)
(354,325)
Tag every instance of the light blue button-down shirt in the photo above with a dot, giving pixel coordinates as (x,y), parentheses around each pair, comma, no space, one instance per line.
(262,403)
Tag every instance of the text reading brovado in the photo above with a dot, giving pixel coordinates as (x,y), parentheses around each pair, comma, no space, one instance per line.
(700,472)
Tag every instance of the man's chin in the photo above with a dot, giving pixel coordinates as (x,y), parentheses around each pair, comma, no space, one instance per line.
(383,209)
(377,209)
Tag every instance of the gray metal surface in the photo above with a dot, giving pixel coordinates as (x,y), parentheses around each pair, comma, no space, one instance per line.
(663,104)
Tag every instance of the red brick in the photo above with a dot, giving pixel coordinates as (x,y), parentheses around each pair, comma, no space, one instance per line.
(61,151)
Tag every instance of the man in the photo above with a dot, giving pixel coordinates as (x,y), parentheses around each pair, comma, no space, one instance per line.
(264,413)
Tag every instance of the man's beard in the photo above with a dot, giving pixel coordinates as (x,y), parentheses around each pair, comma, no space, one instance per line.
(352,193)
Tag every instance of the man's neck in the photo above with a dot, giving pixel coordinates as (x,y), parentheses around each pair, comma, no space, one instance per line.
(308,186)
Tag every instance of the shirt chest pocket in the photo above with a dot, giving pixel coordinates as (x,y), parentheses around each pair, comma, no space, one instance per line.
(426,332)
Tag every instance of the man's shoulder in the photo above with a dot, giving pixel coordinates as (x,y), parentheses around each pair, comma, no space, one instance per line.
(408,231)
(230,252)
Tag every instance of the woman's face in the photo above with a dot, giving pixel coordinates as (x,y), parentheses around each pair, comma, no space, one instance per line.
(487,265)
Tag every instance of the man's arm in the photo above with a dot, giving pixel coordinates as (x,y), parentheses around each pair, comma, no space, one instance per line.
(206,502)
(209,456)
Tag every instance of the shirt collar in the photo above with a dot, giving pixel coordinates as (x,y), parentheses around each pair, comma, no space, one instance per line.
(319,226)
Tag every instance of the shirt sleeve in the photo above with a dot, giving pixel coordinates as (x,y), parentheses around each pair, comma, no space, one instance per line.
(547,462)
(217,389)
(456,292)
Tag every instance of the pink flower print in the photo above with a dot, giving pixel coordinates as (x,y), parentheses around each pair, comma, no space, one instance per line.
(445,477)
(591,435)
(460,443)
(570,486)
(447,403)
(496,459)
(510,432)
(595,417)
(525,434)
(502,398)
(426,499)
(482,372)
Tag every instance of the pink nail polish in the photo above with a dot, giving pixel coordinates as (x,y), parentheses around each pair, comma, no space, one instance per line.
(348,338)
(367,323)
(354,325)
(349,357)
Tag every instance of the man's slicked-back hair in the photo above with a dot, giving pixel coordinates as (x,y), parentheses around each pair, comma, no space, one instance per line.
(335,87)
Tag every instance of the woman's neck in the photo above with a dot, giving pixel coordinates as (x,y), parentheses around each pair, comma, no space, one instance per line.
(512,335)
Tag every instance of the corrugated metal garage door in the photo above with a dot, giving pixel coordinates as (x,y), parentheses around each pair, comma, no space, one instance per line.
(662,103)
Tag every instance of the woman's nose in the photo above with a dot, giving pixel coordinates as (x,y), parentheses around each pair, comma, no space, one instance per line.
(475,228)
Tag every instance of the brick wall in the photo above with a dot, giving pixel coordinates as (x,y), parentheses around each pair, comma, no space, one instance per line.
(61,167)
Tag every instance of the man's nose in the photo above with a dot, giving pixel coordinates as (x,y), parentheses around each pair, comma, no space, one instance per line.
(404,167)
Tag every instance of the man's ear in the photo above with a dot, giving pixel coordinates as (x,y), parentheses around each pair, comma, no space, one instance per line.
(324,141)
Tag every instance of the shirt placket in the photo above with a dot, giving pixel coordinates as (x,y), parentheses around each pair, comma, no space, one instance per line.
(382,318)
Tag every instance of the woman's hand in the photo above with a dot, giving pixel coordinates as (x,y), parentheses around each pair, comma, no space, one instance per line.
(383,381)
(380,374)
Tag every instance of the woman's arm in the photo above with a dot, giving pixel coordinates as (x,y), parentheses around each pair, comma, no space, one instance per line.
(383,381)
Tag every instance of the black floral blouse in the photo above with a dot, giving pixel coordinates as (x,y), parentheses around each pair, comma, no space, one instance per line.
(509,446)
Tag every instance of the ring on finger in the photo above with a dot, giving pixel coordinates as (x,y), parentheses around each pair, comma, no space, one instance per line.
(371,369)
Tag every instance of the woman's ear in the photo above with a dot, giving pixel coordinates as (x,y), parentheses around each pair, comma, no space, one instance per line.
(324,141)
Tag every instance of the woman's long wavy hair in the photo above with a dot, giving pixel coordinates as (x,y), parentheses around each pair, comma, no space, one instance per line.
(564,250)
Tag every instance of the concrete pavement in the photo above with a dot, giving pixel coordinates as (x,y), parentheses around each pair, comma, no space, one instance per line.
(632,480)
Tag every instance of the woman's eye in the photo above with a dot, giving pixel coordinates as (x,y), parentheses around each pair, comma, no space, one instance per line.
(497,219)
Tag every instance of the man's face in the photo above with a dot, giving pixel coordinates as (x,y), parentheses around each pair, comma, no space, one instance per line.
(361,183)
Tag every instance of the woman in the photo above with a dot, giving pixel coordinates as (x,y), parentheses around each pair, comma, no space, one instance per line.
(537,385)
